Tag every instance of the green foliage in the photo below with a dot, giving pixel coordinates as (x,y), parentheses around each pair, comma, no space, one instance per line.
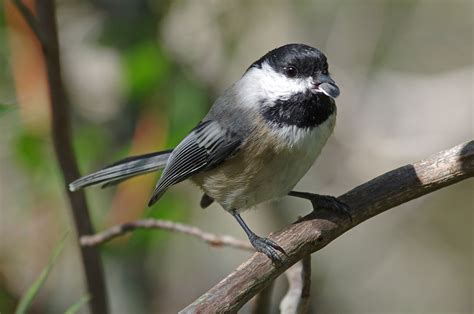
(76,306)
(4,108)
(89,144)
(146,68)
(8,299)
(33,290)
(188,106)
(29,149)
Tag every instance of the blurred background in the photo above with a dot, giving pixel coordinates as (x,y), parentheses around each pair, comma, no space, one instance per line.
(142,73)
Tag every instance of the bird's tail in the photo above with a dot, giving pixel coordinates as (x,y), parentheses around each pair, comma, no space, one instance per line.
(123,170)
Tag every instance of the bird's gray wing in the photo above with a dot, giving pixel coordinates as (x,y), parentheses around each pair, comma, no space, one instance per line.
(206,146)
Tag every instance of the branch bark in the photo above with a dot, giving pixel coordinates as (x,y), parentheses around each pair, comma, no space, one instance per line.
(119,230)
(45,28)
(318,229)
(30,20)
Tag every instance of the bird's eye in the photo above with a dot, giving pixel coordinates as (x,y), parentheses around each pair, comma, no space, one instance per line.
(325,70)
(290,71)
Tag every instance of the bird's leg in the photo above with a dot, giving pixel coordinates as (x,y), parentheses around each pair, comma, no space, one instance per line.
(324,201)
(263,245)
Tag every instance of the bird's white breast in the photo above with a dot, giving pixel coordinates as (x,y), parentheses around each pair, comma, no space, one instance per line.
(267,167)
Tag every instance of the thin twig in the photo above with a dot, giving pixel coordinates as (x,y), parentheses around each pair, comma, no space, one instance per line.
(319,228)
(297,299)
(45,28)
(31,21)
(210,238)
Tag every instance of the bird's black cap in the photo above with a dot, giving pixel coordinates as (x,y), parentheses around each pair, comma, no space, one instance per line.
(305,58)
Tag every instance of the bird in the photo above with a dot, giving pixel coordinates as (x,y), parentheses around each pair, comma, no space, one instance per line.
(257,141)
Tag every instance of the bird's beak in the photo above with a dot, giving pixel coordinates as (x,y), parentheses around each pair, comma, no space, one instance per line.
(326,85)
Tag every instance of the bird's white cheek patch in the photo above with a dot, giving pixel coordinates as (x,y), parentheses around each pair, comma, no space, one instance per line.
(278,86)
(266,83)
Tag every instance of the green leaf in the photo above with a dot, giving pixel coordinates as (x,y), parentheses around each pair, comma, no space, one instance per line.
(29,149)
(146,67)
(33,290)
(4,108)
(188,105)
(76,306)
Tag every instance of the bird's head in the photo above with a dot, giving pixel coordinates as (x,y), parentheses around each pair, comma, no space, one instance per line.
(290,85)
(289,70)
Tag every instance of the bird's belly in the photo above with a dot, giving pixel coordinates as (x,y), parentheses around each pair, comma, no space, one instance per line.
(278,177)
(262,171)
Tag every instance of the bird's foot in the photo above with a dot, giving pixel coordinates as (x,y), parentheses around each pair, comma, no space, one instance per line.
(267,247)
(325,202)
(331,203)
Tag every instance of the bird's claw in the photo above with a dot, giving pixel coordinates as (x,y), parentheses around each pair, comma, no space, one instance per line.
(268,247)
(331,203)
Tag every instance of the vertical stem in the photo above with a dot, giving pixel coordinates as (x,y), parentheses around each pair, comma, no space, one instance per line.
(61,132)
(297,299)
(263,300)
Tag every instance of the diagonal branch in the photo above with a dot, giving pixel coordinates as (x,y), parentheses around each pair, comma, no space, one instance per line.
(119,230)
(30,20)
(318,229)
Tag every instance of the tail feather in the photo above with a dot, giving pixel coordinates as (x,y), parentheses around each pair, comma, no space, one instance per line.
(123,170)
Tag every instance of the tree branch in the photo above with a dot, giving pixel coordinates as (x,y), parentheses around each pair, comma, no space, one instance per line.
(31,21)
(45,28)
(118,230)
(319,228)
(296,300)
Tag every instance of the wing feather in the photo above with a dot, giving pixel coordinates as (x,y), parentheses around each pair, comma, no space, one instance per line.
(205,147)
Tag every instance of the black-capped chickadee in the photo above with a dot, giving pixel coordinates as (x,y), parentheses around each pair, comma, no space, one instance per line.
(257,141)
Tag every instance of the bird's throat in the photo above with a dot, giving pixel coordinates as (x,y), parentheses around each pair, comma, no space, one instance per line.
(304,110)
